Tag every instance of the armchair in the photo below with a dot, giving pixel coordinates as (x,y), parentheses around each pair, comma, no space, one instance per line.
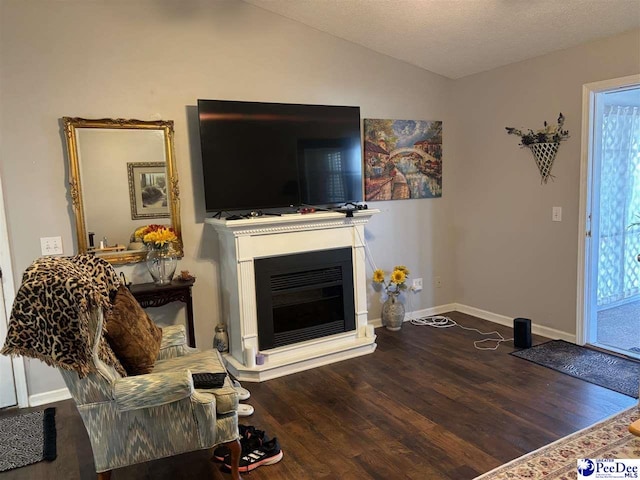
(129,419)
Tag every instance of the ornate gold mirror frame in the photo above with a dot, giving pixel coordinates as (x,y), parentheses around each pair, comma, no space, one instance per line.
(122,176)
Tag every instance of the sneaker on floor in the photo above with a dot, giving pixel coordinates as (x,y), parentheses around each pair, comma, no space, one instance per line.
(268,454)
(244,410)
(250,439)
(243,393)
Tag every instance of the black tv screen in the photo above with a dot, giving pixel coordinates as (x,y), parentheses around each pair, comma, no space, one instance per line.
(273,155)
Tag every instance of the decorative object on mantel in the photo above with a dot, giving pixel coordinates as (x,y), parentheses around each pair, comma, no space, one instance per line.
(161,259)
(544,144)
(393,309)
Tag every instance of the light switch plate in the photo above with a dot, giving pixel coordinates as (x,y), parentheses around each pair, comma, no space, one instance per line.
(51,245)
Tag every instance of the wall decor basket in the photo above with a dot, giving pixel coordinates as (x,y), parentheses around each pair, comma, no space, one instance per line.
(544,144)
(544,155)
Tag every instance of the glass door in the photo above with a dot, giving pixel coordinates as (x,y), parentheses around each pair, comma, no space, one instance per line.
(614,295)
(7,384)
(13,384)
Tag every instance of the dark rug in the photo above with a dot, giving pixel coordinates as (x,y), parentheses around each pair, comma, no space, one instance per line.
(609,371)
(27,438)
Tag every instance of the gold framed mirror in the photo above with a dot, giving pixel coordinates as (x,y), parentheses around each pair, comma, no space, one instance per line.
(122,176)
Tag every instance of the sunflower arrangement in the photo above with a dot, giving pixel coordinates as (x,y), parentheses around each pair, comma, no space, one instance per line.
(155,236)
(397,279)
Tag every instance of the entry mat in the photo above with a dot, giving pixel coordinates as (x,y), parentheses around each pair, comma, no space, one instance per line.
(27,438)
(609,371)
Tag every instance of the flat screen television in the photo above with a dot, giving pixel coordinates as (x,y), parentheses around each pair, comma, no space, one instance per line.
(259,155)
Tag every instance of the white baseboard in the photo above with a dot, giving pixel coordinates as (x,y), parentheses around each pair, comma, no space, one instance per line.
(485,315)
(49,397)
(429,312)
(508,321)
(425,312)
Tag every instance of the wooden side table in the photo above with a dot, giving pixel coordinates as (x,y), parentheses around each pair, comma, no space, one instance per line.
(152,295)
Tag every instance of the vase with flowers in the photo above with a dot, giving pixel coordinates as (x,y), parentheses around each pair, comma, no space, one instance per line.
(393,310)
(161,258)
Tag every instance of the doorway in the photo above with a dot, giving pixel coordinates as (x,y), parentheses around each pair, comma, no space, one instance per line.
(8,395)
(611,199)
(13,385)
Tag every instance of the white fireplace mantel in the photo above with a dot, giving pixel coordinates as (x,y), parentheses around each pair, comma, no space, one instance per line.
(243,241)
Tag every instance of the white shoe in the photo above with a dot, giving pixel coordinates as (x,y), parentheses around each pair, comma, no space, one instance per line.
(245,410)
(243,393)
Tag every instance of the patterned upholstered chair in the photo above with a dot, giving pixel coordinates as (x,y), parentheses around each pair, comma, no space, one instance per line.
(145,417)
(58,317)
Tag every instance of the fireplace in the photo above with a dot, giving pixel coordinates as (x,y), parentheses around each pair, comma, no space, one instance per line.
(304,296)
(294,290)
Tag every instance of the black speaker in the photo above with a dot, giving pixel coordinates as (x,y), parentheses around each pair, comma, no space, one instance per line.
(522,332)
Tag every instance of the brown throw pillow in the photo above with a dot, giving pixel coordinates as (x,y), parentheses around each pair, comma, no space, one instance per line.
(133,336)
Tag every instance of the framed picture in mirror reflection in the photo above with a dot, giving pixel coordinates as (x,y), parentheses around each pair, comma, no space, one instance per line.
(148,190)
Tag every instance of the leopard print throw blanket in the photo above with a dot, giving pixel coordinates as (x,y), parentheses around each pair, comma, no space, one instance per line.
(49,319)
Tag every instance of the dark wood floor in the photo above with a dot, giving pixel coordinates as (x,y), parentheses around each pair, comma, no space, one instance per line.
(425,405)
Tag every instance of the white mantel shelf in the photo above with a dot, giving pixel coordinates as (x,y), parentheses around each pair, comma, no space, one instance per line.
(291,222)
(242,241)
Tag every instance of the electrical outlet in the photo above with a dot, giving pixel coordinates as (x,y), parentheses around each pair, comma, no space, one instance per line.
(437,281)
(556,214)
(416,286)
(51,245)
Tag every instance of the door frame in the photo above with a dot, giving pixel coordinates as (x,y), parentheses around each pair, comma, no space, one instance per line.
(585,276)
(19,372)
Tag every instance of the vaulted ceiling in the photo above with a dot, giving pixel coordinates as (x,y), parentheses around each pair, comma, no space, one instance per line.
(457,38)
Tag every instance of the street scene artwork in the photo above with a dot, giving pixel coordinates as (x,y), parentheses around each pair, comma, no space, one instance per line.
(403,159)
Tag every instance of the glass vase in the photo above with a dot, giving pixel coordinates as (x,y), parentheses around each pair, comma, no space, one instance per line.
(393,312)
(162,263)
(221,339)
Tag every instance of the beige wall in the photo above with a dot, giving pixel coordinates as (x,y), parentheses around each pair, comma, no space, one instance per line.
(511,258)
(152,60)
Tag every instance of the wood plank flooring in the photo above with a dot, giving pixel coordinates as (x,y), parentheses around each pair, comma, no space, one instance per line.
(425,405)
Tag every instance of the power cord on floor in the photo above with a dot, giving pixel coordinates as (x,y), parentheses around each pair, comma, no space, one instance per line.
(439,321)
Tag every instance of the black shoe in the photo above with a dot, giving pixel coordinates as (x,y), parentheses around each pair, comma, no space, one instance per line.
(267,454)
(250,439)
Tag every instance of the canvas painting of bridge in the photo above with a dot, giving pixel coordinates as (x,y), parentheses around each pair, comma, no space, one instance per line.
(403,159)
